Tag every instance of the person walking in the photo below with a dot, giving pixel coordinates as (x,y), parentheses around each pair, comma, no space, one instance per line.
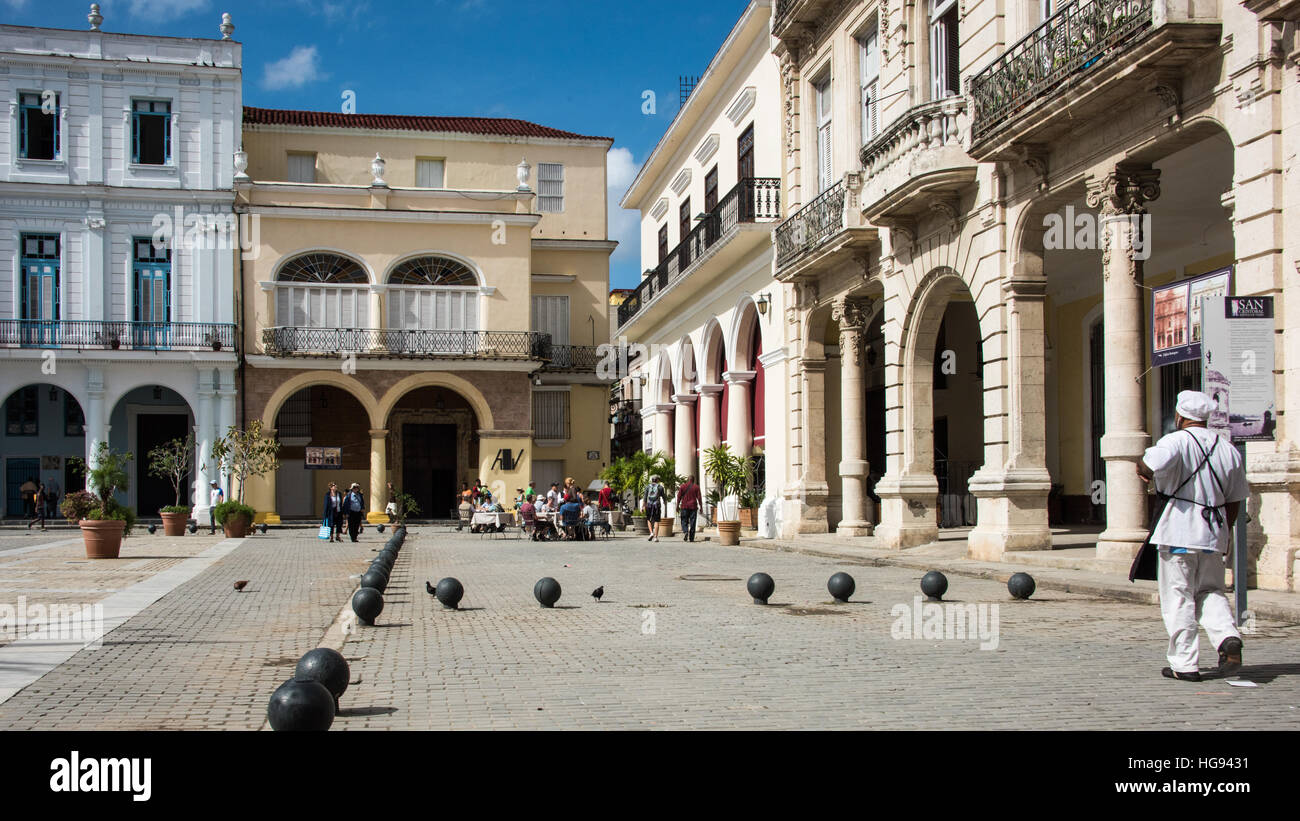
(215,497)
(52,493)
(654,500)
(334,512)
(1203,478)
(38,507)
(688,502)
(28,491)
(354,504)
(606,498)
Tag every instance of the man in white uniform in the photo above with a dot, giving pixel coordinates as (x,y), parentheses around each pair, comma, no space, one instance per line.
(1206,479)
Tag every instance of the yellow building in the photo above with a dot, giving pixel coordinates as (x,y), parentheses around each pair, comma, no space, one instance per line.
(426,297)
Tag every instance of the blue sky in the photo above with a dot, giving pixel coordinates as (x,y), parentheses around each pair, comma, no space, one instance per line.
(579,66)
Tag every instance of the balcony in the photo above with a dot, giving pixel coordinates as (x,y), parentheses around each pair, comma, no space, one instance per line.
(116,336)
(822,233)
(791,16)
(573,358)
(407,344)
(915,162)
(752,202)
(1088,58)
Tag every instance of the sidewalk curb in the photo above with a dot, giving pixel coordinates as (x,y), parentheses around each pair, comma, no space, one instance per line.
(1044,578)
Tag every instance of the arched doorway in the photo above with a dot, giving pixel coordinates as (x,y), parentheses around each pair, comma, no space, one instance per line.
(433,448)
(335,426)
(43,431)
(958,420)
(144,418)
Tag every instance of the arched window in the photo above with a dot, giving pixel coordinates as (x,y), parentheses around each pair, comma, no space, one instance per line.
(322,290)
(433,293)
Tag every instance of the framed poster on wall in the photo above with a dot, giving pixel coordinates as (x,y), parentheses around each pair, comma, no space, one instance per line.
(324,458)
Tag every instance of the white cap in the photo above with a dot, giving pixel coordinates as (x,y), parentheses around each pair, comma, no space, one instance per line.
(1195,405)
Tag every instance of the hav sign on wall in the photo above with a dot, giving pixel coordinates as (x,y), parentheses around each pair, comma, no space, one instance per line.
(1237,366)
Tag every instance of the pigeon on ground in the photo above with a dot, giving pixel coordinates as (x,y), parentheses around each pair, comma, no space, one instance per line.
(240,585)
(598,592)
(432,590)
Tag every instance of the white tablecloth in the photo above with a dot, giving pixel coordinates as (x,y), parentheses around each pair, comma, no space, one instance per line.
(492,519)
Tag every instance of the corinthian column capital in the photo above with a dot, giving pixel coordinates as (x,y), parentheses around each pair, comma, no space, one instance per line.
(1123,191)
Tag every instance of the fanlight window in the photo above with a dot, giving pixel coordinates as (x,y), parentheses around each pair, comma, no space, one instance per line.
(433,271)
(323,268)
(322,291)
(433,294)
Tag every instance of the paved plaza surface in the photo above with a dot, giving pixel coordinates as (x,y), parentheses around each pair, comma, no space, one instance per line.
(675,643)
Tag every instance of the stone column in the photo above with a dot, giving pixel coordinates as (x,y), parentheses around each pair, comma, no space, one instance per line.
(684,436)
(1120,196)
(852,317)
(378,319)
(96,418)
(378,476)
(226,395)
(204,470)
(662,422)
(740,428)
(710,433)
(1011,487)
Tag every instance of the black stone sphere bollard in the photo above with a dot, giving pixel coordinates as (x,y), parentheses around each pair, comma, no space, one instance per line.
(1021,585)
(450,591)
(326,665)
(934,584)
(368,603)
(193,528)
(375,579)
(841,586)
(263,528)
(299,705)
(547,591)
(761,587)
(153,529)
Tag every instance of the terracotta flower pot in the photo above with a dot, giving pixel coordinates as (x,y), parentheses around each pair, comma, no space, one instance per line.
(174,523)
(728,534)
(665,528)
(103,537)
(747,518)
(236,527)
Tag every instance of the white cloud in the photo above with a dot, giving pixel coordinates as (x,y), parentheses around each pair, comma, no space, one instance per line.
(301,67)
(160,11)
(624,224)
(16,5)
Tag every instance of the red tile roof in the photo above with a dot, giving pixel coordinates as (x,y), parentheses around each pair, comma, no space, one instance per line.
(403,122)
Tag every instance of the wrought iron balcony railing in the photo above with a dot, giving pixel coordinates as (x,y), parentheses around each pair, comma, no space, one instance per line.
(753,199)
(127,336)
(811,225)
(407,344)
(1078,37)
(581,358)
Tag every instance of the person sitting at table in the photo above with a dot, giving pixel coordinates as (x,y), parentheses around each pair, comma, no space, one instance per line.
(528,517)
(571,519)
(592,518)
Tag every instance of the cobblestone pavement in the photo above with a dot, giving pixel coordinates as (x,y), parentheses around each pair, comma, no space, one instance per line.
(675,643)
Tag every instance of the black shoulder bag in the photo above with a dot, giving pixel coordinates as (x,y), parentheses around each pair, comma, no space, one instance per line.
(1144,563)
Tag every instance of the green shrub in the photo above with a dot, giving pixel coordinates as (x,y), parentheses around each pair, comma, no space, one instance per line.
(175,509)
(77,504)
(112,511)
(225,510)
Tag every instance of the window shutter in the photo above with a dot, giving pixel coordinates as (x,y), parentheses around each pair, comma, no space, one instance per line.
(824,156)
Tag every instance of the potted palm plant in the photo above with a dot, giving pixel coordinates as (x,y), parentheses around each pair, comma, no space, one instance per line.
(172,461)
(103,520)
(665,467)
(242,454)
(729,474)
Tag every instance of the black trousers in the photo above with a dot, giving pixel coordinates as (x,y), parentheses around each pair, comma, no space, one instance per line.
(688,524)
(354,525)
(336,524)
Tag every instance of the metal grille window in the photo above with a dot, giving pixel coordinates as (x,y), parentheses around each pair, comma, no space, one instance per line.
(550,414)
(550,187)
(294,419)
(151,132)
(74,421)
(945,66)
(22,414)
(38,126)
(869,71)
(430,173)
(302,168)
